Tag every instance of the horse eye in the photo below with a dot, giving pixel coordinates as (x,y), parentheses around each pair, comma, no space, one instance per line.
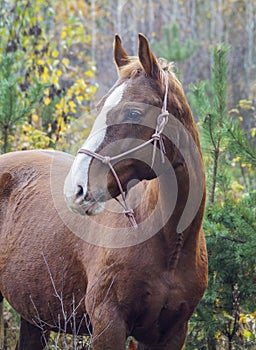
(134,114)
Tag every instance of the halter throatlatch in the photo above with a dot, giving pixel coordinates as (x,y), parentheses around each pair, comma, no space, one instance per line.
(156,138)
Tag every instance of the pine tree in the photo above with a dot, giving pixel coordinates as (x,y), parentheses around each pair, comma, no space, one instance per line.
(229,222)
(212,111)
(171,48)
(15,105)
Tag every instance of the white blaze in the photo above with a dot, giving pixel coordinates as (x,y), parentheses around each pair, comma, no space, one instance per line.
(78,175)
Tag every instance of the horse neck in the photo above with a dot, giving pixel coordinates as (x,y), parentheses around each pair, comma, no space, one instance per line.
(170,192)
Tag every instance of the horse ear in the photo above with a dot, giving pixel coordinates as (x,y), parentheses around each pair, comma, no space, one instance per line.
(120,55)
(147,58)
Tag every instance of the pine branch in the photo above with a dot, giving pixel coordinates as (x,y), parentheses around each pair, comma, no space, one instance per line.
(235,240)
(242,142)
(216,119)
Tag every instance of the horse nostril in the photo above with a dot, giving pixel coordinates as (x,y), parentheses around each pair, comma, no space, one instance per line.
(88,197)
(82,195)
(80,191)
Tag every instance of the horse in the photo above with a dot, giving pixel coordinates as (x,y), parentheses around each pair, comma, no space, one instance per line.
(122,251)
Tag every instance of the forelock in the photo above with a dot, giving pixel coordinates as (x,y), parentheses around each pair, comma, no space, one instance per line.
(134,67)
(131,69)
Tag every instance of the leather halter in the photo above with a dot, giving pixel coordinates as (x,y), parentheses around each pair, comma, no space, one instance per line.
(162,120)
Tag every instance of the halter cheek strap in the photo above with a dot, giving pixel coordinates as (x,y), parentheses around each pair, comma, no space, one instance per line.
(156,138)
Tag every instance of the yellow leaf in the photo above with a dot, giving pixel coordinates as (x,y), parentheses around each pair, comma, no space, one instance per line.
(72,104)
(69,93)
(242,318)
(234,110)
(77,91)
(35,118)
(49,61)
(79,98)
(47,101)
(45,76)
(247,334)
(63,34)
(59,73)
(218,335)
(55,54)
(93,88)
(217,302)
(237,159)
(55,80)
(246,104)
(40,62)
(65,61)
(89,73)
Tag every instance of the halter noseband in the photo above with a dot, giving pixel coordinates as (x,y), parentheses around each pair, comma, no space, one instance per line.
(162,120)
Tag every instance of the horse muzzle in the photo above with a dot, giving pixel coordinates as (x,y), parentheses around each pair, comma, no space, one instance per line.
(82,202)
(80,205)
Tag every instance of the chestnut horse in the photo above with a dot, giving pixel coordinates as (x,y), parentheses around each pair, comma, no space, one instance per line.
(95,269)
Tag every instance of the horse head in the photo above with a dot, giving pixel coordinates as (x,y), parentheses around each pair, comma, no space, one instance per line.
(131,136)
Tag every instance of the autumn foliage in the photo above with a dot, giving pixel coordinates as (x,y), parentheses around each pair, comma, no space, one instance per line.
(48,78)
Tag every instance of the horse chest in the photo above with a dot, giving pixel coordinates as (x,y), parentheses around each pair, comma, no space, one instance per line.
(159,312)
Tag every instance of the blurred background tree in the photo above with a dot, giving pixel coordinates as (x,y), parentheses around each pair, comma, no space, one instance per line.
(171,48)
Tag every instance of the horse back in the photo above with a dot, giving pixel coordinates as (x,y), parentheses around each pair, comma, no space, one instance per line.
(35,245)
(21,171)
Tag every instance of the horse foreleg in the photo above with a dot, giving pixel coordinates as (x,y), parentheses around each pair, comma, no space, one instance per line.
(174,342)
(109,331)
(31,337)
(1,321)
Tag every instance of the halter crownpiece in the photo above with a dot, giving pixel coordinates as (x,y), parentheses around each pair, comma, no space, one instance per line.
(156,137)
